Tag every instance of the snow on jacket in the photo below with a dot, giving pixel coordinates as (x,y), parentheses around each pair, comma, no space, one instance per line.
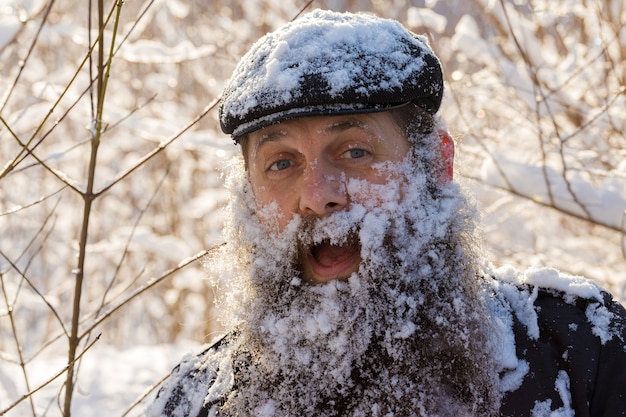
(561,348)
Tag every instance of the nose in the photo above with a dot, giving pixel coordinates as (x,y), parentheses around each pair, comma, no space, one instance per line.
(323,191)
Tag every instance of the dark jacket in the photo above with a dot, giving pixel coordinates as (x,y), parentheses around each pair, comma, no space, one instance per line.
(577,363)
(570,359)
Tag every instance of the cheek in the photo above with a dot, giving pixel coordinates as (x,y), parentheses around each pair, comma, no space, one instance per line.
(263,194)
(373,195)
(384,185)
(272,208)
(274,205)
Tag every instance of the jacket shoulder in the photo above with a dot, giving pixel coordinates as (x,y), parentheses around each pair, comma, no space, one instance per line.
(196,383)
(570,339)
(554,299)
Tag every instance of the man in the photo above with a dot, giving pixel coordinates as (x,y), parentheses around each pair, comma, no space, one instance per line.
(354,285)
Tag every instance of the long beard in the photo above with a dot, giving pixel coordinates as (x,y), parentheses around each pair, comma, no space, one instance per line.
(405,336)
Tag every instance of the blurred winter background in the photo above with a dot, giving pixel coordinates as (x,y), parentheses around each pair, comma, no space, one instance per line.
(110,183)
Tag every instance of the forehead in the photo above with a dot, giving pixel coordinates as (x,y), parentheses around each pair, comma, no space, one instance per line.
(372,124)
(319,125)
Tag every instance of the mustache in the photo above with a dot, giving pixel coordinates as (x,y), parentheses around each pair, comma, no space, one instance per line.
(338,229)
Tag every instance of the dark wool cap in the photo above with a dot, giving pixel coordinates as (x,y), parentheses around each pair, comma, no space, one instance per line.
(328,63)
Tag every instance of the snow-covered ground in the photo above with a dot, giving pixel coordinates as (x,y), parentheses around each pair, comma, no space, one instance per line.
(110,380)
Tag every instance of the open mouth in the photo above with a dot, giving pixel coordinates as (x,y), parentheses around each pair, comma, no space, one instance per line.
(324,261)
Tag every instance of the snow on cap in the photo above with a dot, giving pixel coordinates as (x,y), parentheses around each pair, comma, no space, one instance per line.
(328,63)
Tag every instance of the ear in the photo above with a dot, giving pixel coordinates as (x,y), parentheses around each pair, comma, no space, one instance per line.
(446,148)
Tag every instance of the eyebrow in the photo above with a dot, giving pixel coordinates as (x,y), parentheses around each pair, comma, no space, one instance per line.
(344,125)
(272,136)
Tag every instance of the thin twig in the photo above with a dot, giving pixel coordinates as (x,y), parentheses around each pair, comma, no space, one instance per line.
(134,26)
(535,200)
(145,394)
(98,320)
(23,62)
(129,240)
(34,288)
(151,283)
(538,85)
(18,345)
(13,264)
(32,204)
(158,149)
(108,128)
(302,9)
(591,121)
(26,147)
(49,381)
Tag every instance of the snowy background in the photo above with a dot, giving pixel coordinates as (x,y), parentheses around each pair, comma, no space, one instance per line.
(535,96)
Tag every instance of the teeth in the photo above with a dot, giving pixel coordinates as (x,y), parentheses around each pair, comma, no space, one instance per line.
(336,236)
(338,228)
(314,249)
(350,242)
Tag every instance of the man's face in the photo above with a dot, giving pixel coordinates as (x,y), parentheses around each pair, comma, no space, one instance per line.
(347,197)
(302,167)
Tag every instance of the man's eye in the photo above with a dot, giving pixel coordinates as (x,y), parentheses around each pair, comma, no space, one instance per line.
(280,165)
(354,153)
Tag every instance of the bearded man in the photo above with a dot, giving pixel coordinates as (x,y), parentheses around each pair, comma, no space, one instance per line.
(354,283)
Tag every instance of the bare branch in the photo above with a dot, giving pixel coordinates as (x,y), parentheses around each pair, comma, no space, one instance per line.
(129,239)
(22,64)
(88,197)
(51,380)
(154,281)
(539,88)
(26,146)
(145,394)
(162,146)
(16,339)
(34,288)
(32,204)
(591,220)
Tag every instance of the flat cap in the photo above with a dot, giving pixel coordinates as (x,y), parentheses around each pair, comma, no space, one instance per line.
(328,63)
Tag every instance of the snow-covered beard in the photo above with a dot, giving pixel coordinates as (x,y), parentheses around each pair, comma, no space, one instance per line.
(406,335)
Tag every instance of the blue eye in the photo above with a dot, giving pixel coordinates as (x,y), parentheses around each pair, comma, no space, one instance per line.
(354,153)
(280,165)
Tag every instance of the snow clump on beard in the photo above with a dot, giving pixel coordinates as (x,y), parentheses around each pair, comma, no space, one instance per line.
(405,335)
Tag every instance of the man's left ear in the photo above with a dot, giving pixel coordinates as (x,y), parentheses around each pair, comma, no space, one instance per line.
(446,148)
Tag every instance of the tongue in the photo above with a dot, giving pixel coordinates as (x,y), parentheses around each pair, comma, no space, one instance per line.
(328,255)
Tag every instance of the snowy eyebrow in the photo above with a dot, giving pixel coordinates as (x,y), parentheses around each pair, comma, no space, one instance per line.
(271,136)
(344,125)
